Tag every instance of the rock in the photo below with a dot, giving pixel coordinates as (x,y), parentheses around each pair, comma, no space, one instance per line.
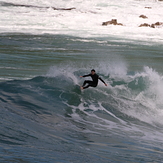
(63,8)
(143,16)
(156,24)
(113,21)
(144,25)
(148,7)
(152,25)
(119,24)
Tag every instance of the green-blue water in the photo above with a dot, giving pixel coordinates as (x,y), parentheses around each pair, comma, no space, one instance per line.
(45,117)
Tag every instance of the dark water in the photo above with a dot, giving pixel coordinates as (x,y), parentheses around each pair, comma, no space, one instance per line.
(45,117)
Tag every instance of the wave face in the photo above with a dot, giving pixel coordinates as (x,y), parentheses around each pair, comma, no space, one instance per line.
(50,116)
(45,117)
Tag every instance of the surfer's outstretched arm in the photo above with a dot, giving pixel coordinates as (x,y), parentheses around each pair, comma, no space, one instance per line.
(103,81)
(85,76)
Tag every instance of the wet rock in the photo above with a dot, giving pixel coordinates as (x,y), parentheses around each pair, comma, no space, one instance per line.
(113,21)
(148,7)
(157,24)
(144,25)
(63,8)
(143,16)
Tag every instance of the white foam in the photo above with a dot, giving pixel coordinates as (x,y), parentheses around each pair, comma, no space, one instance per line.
(64,71)
(86,20)
(144,104)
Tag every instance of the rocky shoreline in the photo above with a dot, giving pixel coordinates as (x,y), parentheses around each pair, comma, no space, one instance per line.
(110,22)
(153,25)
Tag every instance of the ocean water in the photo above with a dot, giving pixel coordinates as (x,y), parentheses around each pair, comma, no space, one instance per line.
(45,117)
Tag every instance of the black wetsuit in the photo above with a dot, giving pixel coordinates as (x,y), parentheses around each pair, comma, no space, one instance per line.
(90,83)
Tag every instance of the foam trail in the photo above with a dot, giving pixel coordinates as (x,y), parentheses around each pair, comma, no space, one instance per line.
(120,120)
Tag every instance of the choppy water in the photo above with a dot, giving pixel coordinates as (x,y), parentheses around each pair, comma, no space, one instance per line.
(45,117)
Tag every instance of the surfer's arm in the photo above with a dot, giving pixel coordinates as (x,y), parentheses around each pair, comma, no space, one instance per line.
(85,75)
(102,81)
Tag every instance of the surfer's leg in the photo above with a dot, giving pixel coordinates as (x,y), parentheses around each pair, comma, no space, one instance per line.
(85,82)
(89,82)
(85,86)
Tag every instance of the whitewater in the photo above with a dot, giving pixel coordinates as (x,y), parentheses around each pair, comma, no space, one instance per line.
(45,46)
(85,20)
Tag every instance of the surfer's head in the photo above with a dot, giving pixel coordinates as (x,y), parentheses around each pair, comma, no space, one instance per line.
(93,71)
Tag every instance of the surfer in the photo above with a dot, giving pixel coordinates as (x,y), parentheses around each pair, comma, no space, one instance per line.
(94,81)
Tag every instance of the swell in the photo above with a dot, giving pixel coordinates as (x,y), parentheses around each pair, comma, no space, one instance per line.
(123,98)
(29,111)
(53,101)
